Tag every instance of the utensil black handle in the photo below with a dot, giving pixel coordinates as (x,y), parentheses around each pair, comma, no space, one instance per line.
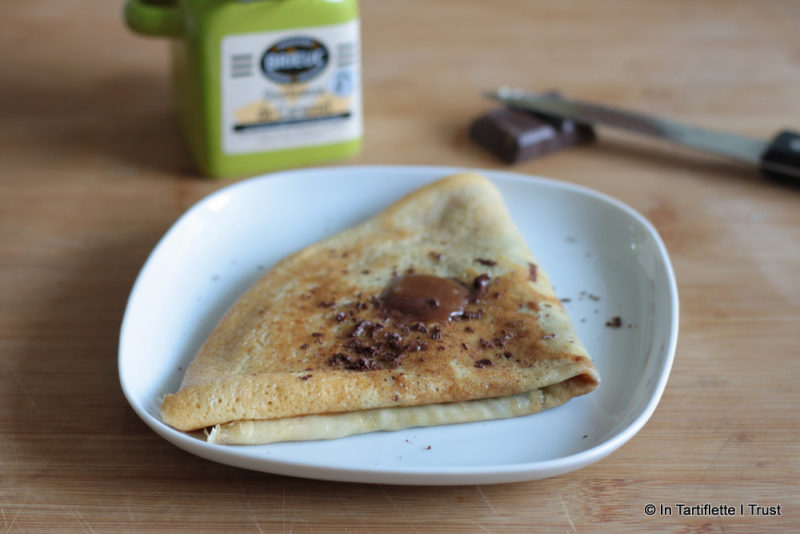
(781,159)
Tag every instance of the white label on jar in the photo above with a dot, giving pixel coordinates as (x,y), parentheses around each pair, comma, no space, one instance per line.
(291,88)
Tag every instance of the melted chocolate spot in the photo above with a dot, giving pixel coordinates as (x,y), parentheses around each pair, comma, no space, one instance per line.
(425,297)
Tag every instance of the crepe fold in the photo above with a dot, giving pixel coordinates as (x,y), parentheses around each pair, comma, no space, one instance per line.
(310,352)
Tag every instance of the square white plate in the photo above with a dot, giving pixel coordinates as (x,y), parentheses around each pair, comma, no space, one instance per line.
(605,260)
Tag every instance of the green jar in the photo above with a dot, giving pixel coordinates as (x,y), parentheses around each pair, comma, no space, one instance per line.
(264,84)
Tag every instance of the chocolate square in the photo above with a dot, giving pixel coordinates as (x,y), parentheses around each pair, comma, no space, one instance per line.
(515,135)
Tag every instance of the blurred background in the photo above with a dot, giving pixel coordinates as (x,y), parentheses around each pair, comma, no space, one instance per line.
(94,170)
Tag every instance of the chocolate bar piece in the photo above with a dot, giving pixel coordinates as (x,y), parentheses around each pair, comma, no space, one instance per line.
(515,135)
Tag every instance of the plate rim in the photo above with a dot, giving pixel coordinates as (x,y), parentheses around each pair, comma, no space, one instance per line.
(416,475)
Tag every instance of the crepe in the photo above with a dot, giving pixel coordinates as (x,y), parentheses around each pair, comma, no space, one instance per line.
(343,338)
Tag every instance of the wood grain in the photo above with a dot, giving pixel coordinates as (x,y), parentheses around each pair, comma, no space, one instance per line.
(93,171)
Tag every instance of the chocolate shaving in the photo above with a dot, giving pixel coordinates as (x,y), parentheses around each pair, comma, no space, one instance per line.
(533,270)
(393,339)
(615,322)
(360,347)
(416,346)
(488,263)
(485,362)
(481,285)
(353,364)
(436,333)
(477,314)
(360,328)
(498,342)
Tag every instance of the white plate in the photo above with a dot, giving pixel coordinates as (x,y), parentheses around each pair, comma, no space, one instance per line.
(604,257)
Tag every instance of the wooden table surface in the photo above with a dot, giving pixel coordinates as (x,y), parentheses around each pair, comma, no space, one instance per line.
(93,171)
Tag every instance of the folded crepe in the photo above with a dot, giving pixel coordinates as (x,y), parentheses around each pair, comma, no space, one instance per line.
(432,312)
